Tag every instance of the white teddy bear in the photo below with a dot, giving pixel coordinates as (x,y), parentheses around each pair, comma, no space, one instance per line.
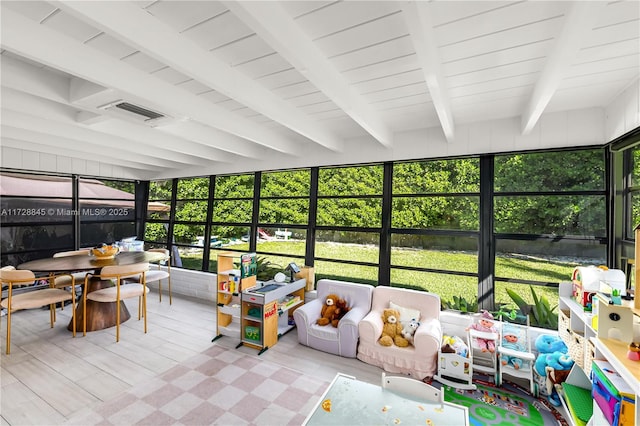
(409,329)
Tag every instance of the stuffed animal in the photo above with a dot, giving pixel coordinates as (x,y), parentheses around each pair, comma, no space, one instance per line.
(485,324)
(558,367)
(454,345)
(546,344)
(392,329)
(340,312)
(409,330)
(328,310)
(510,341)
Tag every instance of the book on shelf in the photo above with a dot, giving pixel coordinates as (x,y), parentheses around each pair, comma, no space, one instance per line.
(288,301)
(248,265)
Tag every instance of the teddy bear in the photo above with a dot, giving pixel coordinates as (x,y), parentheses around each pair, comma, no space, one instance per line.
(392,329)
(340,312)
(409,329)
(327,313)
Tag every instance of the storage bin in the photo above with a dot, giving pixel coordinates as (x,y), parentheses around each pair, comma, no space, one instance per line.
(589,354)
(612,394)
(564,323)
(576,348)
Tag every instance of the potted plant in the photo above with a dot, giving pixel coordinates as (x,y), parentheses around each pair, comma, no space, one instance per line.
(540,313)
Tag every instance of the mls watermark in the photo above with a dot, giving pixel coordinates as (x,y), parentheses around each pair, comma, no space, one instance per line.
(85,211)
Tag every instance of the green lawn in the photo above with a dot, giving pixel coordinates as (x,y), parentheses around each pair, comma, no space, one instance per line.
(446,285)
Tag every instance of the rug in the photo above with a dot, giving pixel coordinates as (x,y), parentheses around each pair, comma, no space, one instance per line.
(220,386)
(491,406)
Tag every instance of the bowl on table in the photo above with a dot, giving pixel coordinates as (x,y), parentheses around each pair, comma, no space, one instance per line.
(105,252)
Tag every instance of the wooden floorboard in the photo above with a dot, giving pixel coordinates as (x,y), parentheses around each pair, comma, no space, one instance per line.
(51,376)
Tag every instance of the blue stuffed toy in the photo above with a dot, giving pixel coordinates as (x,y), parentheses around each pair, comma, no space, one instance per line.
(558,367)
(547,344)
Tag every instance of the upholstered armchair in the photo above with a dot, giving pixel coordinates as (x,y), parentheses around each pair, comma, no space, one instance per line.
(417,360)
(341,340)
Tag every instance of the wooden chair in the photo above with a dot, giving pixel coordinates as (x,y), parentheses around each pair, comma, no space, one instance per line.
(412,388)
(120,291)
(33,299)
(158,274)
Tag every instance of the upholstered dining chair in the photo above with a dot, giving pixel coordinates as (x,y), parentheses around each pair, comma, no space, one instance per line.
(122,290)
(33,299)
(158,274)
(64,281)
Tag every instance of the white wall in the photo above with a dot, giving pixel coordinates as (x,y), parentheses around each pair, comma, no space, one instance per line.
(22,159)
(623,113)
(202,285)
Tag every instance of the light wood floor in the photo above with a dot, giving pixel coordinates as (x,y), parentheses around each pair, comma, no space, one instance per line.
(49,375)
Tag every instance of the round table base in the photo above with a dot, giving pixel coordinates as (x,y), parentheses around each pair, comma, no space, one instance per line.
(100,315)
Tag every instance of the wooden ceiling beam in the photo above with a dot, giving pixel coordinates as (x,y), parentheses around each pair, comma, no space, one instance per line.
(578,22)
(123,20)
(418,19)
(274,25)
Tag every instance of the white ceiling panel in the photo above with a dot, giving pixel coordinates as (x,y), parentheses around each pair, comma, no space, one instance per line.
(382,69)
(340,16)
(35,10)
(243,50)
(184,14)
(241,82)
(218,31)
(374,54)
(510,38)
(71,26)
(143,62)
(496,73)
(407,90)
(394,80)
(171,76)
(111,46)
(367,34)
(298,8)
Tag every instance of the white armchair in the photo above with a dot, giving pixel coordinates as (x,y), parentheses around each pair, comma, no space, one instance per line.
(342,340)
(419,360)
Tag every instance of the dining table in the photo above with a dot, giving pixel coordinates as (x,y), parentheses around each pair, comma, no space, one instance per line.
(100,315)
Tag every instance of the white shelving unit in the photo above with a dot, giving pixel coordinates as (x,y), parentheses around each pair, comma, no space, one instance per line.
(614,351)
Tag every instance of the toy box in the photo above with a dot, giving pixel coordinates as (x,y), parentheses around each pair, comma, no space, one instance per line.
(612,394)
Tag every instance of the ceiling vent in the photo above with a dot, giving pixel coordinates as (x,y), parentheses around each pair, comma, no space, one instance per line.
(135,112)
(147,113)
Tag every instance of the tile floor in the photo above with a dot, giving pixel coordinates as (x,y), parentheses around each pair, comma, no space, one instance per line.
(168,376)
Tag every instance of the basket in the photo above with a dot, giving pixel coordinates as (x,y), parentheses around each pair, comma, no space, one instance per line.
(104,252)
(589,357)
(576,348)
(564,325)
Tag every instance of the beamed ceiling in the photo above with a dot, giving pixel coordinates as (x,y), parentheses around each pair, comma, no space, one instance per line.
(295,82)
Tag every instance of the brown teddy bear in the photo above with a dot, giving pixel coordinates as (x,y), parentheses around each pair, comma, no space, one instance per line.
(340,312)
(328,311)
(392,329)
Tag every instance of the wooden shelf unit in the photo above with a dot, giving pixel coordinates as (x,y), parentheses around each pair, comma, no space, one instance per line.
(230,284)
